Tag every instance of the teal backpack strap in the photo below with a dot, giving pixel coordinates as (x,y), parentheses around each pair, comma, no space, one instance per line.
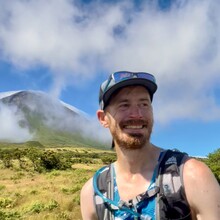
(103,184)
(110,191)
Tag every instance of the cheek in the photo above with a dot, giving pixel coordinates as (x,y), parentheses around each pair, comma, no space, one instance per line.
(112,124)
(148,113)
(108,121)
(105,123)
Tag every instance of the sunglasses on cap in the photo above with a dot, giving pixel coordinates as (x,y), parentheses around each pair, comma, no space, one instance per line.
(125,75)
(121,79)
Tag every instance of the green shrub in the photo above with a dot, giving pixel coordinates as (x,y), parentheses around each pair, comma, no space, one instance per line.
(108,159)
(5,202)
(17,176)
(64,215)
(37,207)
(40,207)
(9,215)
(52,205)
(76,199)
(50,160)
(213,161)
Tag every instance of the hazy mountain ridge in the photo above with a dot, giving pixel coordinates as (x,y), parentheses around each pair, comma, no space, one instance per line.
(47,120)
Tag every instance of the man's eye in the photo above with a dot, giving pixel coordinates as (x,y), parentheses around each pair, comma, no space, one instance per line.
(145,104)
(123,105)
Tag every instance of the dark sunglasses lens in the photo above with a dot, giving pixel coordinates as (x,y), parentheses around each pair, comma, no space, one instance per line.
(146,76)
(119,76)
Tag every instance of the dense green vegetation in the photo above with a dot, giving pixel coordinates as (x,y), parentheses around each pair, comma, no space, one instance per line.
(35,156)
(46,159)
(45,183)
(213,161)
(39,182)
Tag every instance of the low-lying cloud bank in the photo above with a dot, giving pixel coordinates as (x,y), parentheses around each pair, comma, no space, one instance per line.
(23,113)
(10,129)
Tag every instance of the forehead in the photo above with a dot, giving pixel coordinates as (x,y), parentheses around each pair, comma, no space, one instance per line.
(131,91)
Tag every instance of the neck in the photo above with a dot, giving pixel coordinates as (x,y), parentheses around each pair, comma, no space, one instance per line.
(138,160)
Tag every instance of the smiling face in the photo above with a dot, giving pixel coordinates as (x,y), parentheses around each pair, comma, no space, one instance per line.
(129,117)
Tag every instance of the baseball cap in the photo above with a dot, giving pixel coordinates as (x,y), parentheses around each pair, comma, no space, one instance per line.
(122,79)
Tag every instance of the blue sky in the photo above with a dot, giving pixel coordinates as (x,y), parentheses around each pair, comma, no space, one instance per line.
(67,48)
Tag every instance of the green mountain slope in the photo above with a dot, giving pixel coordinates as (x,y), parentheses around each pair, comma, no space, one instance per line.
(48,121)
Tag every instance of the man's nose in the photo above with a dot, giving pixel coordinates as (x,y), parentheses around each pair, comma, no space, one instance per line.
(135,112)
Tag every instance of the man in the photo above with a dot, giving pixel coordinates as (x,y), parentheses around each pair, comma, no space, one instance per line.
(126,110)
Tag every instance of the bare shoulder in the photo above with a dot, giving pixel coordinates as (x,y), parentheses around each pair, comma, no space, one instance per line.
(195,169)
(202,190)
(86,201)
(87,187)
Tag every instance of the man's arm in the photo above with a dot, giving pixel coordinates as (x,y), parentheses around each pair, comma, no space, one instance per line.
(87,203)
(202,190)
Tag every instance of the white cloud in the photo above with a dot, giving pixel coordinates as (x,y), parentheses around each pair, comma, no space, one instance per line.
(15,126)
(10,129)
(181,45)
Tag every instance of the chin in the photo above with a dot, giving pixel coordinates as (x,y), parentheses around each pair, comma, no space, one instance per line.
(133,143)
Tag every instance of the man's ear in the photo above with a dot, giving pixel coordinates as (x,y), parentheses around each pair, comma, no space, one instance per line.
(102,118)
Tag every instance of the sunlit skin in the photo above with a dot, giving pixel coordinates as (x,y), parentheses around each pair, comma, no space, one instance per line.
(129,117)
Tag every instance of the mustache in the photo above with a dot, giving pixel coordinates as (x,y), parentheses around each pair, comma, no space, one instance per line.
(134,122)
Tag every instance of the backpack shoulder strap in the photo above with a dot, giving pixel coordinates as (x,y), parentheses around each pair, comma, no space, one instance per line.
(103,190)
(171,200)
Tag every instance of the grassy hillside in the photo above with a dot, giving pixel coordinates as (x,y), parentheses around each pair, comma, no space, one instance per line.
(44,183)
(48,135)
(48,121)
(51,138)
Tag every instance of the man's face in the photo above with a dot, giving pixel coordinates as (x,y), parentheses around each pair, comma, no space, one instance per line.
(129,117)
